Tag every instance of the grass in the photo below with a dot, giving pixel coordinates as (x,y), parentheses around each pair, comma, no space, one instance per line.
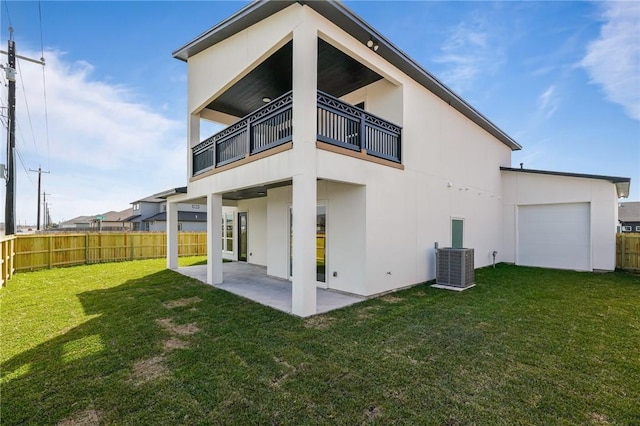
(132,343)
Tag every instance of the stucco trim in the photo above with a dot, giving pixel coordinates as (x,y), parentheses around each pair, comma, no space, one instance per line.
(247,159)
(362,155)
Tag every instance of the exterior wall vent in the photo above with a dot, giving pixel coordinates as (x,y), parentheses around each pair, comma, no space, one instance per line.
(455,267)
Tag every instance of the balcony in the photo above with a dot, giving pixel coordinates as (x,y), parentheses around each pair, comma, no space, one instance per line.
(339,124)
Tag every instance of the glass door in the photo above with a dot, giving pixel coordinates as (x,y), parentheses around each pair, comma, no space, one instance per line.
(242,236)
(321,243)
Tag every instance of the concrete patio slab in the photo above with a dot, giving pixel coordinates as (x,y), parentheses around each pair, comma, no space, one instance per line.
(252,282)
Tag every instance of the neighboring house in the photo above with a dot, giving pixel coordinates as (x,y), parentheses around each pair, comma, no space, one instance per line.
(629,217)
(344,163)
(80,222)
(113,221)
(110,221)
(149,214)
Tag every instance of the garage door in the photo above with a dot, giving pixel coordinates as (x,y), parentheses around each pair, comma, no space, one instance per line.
(555,236)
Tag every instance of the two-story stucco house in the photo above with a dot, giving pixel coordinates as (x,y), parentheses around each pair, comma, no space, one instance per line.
(344,162)
(149,214)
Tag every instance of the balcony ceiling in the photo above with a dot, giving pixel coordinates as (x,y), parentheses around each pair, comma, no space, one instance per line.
(338,74)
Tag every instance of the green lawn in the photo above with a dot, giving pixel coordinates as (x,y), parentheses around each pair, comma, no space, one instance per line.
(132,343)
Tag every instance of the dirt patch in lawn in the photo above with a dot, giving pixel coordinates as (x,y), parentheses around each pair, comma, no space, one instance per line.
(175,343)
(390,298)
(367,312)
(82,418)
(319,322)
(179,329)
(372,413)
(150,369)
(598,419)
(182,302)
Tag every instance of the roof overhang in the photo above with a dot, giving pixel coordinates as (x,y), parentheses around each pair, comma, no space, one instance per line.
(622,183)
(355,26)
(170,192)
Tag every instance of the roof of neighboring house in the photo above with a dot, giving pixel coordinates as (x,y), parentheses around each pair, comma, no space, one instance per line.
(130,218)
(170,192)
(622,183)
(114,216)
(343,17)
(77,220)
(629,211)
(182,217)
(149,199)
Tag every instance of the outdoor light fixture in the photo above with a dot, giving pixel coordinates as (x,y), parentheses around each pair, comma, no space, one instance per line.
(266,99)
(372,45)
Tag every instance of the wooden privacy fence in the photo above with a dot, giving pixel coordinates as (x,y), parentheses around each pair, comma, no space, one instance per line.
(6,259)
(628,251)
(48,251)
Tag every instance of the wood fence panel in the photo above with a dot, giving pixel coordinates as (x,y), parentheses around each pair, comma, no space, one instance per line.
(628,251)
(40,251)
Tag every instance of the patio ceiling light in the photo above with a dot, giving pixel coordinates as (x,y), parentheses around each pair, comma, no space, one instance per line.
(266,99)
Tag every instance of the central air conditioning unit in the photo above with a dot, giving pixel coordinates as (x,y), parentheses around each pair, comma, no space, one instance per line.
(455,267)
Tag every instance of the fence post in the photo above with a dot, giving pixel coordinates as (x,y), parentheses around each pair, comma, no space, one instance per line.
(86,249)
(50,251)
(622,251)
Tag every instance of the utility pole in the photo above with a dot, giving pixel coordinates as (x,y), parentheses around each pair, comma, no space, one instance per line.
(10,200)
(40,172)
(46,209)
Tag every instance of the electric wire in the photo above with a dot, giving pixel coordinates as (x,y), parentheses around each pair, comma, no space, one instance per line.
(26,103)
(44,86)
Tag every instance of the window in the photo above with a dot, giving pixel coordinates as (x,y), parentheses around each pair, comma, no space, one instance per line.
(637,228)
(457,233)
(179,226)
(227,232)
(136,206)
(626,229)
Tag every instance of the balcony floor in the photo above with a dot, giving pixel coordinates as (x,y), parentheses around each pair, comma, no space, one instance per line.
(253,283)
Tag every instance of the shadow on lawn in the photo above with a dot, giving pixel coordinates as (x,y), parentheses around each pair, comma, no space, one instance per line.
(95,372)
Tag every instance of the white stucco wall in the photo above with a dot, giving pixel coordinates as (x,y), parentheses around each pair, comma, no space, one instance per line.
(527,189)
(257,225)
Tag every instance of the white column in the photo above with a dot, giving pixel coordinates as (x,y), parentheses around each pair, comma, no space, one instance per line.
(172,235)
(193,134)
(305,58)
(214,237)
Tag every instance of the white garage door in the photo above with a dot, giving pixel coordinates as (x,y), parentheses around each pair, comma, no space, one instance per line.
(555,236)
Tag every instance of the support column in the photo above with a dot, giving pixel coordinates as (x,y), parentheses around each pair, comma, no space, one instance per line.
(172,235)
(305,59)
(214,236)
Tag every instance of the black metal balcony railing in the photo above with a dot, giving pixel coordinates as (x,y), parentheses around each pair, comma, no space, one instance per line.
(339,124)
(345,125)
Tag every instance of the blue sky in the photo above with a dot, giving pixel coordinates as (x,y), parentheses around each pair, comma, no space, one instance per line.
(562,78)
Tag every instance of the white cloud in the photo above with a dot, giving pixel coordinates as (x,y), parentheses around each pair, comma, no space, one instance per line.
(466,54)
(548,102)
(105,148)
(613,59)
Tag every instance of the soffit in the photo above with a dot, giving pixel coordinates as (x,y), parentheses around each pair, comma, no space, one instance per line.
(338,74)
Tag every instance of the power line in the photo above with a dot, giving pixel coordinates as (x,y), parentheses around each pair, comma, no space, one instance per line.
(26,103)
(44,85)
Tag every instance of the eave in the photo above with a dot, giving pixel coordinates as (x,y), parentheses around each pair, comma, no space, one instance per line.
(355,26)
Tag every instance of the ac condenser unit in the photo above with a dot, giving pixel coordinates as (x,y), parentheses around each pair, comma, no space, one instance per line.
(455,267)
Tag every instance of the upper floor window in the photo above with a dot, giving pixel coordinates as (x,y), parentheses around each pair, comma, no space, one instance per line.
(136,206)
